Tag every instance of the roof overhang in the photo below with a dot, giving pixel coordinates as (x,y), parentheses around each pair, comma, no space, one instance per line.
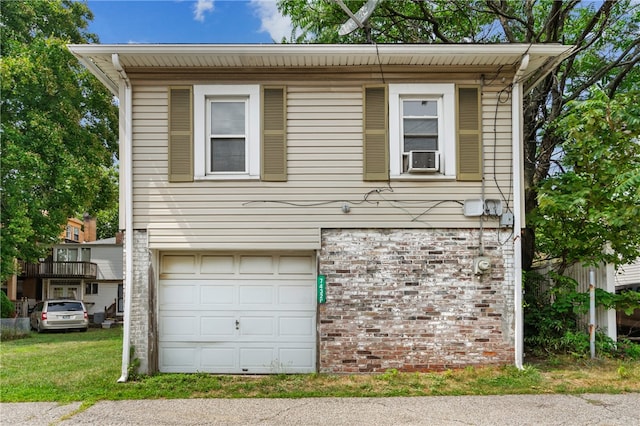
(98,57)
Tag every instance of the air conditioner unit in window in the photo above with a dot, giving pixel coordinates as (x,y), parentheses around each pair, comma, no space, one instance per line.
(423,161)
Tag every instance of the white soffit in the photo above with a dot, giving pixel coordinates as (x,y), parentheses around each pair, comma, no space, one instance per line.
(97,57)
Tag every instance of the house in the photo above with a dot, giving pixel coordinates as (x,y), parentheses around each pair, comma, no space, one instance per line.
(330,208)
(78,267)
(79,231)
(29,284)
(90,271)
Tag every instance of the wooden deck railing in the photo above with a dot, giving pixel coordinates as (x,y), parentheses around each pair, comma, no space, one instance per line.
(59,270)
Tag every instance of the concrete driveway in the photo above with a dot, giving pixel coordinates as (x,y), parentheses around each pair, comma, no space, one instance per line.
(588,409)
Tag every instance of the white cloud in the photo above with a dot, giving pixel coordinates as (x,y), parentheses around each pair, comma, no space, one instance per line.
(273,22)
(200,8)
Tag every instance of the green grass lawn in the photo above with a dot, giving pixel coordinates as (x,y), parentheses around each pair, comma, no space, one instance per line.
(64,367)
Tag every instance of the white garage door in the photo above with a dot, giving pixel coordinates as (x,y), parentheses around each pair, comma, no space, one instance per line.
(237,313)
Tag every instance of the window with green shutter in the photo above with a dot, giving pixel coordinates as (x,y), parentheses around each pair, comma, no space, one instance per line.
(422,131)
(227,132)
(435,132)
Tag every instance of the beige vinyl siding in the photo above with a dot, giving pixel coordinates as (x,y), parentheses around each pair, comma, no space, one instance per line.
(324,170)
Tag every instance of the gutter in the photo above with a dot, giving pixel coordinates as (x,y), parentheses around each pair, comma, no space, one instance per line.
(518,209)
(126,139)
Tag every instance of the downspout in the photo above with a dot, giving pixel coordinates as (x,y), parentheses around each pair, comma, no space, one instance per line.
(518,209)
(126,139)
(484,182)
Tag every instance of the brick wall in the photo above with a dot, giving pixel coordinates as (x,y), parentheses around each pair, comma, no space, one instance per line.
(408,299)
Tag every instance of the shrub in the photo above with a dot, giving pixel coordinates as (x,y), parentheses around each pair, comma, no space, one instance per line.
(6,306)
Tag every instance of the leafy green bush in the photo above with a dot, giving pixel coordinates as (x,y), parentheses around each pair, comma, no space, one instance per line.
(7,308)
(552,306)
(549,312)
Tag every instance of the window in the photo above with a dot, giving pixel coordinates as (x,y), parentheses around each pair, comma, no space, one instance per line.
(76,234)
(227,135)
(422,136)
(73,255)
(91,288)
(227,131)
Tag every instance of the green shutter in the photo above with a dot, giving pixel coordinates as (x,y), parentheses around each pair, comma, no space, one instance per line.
(180,134)
(469,134)
(375,133)
(274,135)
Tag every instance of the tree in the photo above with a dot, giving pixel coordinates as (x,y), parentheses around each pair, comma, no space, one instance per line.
(589,210)
(107,219)
(58,128)
(607,53)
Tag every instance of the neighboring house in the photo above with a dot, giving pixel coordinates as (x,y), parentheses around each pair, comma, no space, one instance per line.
(91,272)
(29,283)
(628,278)
(332,208)
(79,231)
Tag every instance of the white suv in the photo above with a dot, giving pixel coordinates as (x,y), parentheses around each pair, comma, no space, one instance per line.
(59,315)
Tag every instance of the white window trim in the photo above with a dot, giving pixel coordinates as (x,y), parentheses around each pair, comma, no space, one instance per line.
(200,95)
(446,128)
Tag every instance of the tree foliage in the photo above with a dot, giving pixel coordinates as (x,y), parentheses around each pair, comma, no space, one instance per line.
(58,129)
(604,33)
(7,308)
(589,211)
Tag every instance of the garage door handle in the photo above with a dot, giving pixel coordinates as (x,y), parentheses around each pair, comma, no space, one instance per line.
(237,325)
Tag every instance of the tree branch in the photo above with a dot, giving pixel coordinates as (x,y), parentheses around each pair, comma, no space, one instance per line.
(604,10)
(426,17)
(499,9)
(604,70)
(612,87)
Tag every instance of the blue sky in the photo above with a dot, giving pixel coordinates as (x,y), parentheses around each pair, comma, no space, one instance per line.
(187,21)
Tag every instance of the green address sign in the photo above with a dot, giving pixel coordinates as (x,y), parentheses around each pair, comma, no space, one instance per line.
(322,288)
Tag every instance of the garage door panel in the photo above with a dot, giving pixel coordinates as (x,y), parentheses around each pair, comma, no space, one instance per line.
(296,265)
(182,293)
(217,264)
(250,264)
(181,326)
(296,294)
(218,328)
(256,295)
(217,295)
(296,358)
(257,327)
(296,326)
(218,357)
(178,264)
(177,357)
(252,358)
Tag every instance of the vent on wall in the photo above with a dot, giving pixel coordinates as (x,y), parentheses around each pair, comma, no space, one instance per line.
(424,161)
